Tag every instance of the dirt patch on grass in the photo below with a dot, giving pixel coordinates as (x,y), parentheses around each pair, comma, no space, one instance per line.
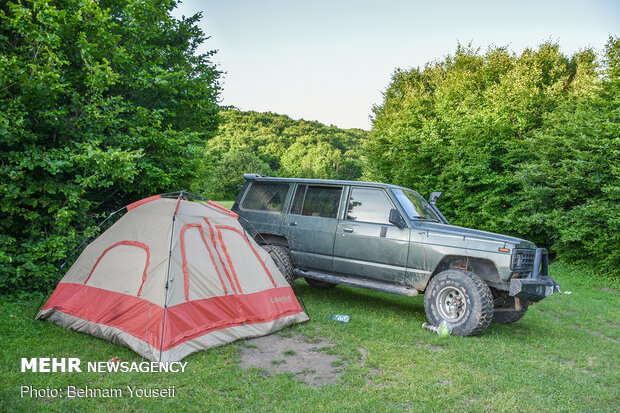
(305,358)
(372,372)
(430,347)
(576,327)
(570,363)
(611,290)
(598,333)
(550,315)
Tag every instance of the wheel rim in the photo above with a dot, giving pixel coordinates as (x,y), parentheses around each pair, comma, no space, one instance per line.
(451,304)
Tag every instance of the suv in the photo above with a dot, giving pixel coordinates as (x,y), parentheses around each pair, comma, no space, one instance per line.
(388,238)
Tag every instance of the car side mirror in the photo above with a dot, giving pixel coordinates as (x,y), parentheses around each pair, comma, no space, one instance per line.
(397,219)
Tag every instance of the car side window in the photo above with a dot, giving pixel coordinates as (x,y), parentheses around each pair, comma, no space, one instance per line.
(316,201)
(264,196)
(369,205)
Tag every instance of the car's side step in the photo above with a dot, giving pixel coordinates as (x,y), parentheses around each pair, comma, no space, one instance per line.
(367,284)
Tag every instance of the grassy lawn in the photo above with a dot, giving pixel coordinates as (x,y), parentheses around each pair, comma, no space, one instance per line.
(227,204)
(564,355)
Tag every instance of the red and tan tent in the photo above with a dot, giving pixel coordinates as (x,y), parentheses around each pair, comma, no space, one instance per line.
(173,277)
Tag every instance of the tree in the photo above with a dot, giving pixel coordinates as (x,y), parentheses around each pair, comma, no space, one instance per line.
(224,178)
(101,103)
(295,148)
(522,144)
(577,163)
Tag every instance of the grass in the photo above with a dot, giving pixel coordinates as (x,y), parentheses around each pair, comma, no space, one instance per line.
(564,355)
(226,204)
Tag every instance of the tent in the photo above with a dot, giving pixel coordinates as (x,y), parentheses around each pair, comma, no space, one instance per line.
(173,277)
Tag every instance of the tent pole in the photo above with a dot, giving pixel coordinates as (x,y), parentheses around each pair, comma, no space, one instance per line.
(163,326)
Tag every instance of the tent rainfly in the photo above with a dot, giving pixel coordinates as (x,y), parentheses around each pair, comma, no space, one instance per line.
(173,277)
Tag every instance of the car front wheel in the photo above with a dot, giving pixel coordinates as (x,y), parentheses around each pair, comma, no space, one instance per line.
(460,298)
(505,310)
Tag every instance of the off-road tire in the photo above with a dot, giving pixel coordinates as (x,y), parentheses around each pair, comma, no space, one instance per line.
(283,260)
(319,284)
(504,312)
(470,291)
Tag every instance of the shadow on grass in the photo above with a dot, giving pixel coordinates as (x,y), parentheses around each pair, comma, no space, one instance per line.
(357,299)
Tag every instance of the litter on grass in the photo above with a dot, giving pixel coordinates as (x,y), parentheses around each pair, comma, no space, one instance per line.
(442,330)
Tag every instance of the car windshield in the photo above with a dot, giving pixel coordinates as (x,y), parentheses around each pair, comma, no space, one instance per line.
(415,206)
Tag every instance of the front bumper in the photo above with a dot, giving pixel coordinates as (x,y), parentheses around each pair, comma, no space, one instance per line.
(538,284)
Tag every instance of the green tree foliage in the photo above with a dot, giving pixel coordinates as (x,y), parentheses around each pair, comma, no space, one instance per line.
(101,103)
(524,144)
(279,146)
(223,178)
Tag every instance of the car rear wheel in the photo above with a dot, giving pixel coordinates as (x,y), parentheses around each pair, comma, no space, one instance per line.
(283,260)
(319,284)
(460,298)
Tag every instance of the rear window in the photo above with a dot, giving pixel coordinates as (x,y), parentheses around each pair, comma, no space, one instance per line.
(264,196)
(317,201)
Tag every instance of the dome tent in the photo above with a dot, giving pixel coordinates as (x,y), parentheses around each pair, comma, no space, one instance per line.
(173,277)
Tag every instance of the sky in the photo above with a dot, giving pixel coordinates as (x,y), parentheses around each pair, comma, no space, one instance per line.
(330,61)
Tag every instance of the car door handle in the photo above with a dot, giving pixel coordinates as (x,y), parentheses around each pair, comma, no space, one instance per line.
(347,229)
(292,224)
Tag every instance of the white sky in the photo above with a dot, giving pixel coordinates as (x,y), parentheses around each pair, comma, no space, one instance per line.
(330,60)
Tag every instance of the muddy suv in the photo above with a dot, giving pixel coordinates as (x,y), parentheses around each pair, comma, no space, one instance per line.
(388,238)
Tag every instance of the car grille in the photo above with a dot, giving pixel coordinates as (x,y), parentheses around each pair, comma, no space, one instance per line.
(522,260)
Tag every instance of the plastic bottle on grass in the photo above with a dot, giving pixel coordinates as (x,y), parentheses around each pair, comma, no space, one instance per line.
(442,330)
(340,317)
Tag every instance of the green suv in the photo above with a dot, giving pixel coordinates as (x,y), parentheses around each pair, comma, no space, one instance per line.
(389,238)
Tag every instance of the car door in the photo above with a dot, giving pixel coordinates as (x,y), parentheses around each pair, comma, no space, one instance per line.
(310,227)
(367,244)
